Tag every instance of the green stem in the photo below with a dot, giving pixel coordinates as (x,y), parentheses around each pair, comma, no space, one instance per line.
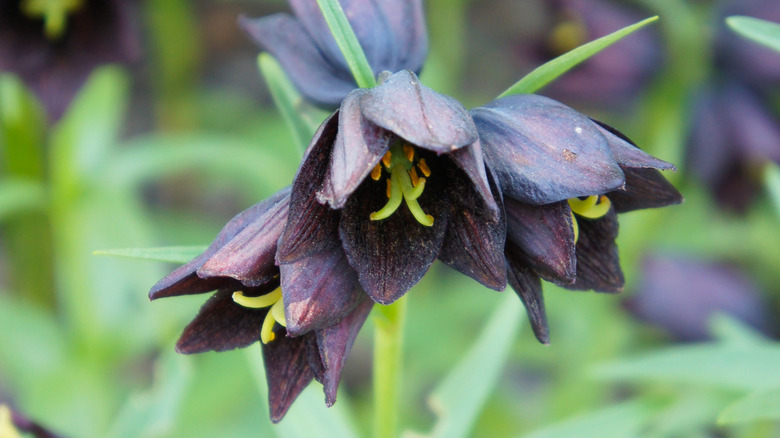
(388,350)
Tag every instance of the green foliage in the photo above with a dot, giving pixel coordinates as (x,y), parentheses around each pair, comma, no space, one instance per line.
(172,254)
(761,31)
(347,42)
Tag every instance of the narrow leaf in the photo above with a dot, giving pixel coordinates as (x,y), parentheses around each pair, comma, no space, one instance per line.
(772,182)
(550,70)
(173,254)
(287,99)
(20,196)
(624,420)
(764,405)
(347,42)
(763,32)
(459,398)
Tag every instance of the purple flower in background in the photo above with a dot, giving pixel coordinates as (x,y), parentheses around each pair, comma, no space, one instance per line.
(613,76)
(734,130)
(53,46)
(391,32)
(564,178)
(249,307)
(680,294)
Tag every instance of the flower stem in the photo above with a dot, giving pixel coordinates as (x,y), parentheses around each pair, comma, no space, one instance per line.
(388,350)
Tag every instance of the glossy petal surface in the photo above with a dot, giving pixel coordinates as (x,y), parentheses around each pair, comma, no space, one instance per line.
(626,153)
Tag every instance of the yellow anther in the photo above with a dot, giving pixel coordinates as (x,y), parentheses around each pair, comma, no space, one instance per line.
(409,152)
(387,159)
(389,190)
(7,428)
(267,330)
(415,178)
(376,172)
(260,302)
(423,166)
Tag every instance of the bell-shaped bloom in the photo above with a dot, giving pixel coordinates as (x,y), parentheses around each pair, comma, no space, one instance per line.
(394,180)
(249,307)
(53,49)
(391,32)
(564,178)
(680,295)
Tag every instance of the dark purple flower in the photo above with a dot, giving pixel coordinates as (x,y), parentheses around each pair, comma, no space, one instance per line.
(392,181)
(391,32)
(564,178)
(680,294)
(13,424)
(614,75)
(249,307)
(53,50)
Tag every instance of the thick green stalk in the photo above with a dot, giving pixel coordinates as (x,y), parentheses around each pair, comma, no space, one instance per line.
(388,351)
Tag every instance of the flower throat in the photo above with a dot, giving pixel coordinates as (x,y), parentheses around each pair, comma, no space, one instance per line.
(403,183)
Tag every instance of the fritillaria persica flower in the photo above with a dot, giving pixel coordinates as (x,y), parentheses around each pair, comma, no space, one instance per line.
(391,32)
(53,45)
(248,306)
(564,178)
(392,181)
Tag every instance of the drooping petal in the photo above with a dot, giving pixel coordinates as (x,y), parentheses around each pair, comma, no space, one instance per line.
(318,290)
(391,32)
(543,151)
(470,160)
(645,188)
(309,69)
(528,287)
(287,371)
(598,264)
(222,325)
(185,281)
(391,255)
(249,256)
(474,242)
(311,226)
(335,342)
(418,114)
(358,147)
(626,153)
(544,236)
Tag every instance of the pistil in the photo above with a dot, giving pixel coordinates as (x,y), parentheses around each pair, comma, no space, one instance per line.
(275,313)
(403,184)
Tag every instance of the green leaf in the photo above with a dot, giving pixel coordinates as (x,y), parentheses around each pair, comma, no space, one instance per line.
(458,399)
(287,99)
(723,365)
(172,254)
(347,42)
(728,329)
(772,183)
(763,32)
(550,70)
(764,405)
(19,195)
(624,420)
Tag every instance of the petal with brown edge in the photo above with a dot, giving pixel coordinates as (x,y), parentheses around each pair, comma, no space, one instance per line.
(528,287)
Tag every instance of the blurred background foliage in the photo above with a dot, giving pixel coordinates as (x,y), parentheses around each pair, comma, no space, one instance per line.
(165,151)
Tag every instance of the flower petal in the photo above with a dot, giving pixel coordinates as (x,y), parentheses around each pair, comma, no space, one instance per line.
(392,255)
(185,281)
(318,290)
(286,39)
(469,159)
(418,114)
(222,325)
(287,371)
(249,255)
(529,288)
(311,226)
(358,148)
(627,153)
(391,32)
(544,237)
(598,264)
(645,188)
(474,242)
(335,342)
(543,151)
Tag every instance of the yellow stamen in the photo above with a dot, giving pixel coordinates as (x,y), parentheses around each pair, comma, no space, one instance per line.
(7,428)
(424,167)
(415,178)
(575,226)
(387,159)
(593,207)
(394,199)
(275,313)
(389,190)
(409,152)
(376,172)
(54,14)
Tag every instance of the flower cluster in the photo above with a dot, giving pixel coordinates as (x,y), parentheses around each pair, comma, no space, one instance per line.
(519,190)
